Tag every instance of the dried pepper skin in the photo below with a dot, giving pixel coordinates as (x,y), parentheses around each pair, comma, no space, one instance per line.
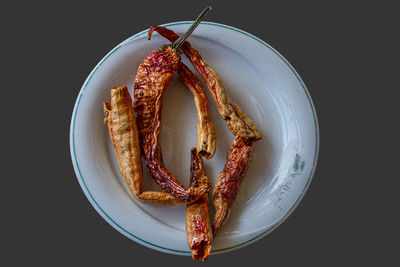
(228,184)
(205,128)
(152,79)
(236,120)
(120,119)
(198,228)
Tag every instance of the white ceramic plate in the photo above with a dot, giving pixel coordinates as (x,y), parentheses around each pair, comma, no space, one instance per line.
(267,88)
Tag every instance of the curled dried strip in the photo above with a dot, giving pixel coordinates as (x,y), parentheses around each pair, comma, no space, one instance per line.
(198,227)
(205,128)
(228,184)
(160,199)
(120,119)
(153,77)
(236,120)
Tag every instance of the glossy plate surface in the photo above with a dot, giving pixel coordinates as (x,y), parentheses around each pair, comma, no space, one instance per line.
(256,77)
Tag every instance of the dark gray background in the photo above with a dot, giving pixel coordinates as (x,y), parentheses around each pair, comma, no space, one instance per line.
(345,51)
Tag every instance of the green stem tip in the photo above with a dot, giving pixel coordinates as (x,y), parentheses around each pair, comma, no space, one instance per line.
(179,42)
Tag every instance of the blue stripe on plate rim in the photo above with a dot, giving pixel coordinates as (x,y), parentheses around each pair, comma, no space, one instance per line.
(141,240)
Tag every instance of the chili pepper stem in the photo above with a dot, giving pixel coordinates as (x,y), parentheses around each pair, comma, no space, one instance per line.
(179,42)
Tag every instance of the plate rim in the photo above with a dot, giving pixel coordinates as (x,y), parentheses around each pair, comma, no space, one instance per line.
(141,241)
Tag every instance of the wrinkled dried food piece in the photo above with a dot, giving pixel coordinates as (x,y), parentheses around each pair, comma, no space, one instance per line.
(228,184)
(198,228)
(205,128)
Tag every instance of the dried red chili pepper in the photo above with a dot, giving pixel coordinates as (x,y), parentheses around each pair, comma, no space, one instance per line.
(153,77)
(245,131)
